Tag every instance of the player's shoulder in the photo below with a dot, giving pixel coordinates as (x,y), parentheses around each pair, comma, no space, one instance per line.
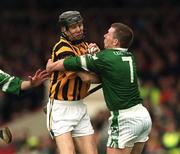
(84,44)
(101,55)
(104,52)
(62,46)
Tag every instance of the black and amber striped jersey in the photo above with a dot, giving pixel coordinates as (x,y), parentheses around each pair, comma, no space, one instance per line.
(67,85)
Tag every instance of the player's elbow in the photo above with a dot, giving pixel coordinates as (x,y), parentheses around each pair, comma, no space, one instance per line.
(91,80)
(86,79)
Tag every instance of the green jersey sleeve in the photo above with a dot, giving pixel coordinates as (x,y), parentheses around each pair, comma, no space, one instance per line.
(10,84)
(85,62)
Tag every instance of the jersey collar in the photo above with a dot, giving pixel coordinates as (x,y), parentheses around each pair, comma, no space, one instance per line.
(121,49)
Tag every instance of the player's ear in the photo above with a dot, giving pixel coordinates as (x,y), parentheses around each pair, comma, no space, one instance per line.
(115,42)
(63,29)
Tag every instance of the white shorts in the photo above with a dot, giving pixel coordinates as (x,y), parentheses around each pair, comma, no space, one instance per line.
(128,126)
(68,116)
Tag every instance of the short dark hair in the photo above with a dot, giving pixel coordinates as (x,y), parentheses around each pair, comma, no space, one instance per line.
(124,34)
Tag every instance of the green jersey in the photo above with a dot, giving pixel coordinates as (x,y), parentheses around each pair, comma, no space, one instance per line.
(9,83)
(117,70)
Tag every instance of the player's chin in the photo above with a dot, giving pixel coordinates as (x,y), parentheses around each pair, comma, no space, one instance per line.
(78,37)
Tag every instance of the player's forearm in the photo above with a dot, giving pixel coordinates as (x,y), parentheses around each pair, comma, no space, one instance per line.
(26,85)
(94,78)
(89,77)
(55,66)
(38,78)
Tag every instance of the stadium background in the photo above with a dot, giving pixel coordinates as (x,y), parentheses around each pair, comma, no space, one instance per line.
(28,31)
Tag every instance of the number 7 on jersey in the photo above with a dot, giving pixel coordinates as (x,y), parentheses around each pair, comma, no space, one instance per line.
(129,59)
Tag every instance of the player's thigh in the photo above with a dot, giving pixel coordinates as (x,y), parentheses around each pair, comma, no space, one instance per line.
(86,144)
(119,151)
(65,143)
(138,148)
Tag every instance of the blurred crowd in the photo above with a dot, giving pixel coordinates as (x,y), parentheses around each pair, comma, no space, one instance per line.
(27,35)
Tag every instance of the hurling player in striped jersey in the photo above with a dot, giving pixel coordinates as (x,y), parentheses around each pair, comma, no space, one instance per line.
(130,122)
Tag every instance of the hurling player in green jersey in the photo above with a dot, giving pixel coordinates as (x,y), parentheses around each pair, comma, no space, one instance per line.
(12,84)
(130,122)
